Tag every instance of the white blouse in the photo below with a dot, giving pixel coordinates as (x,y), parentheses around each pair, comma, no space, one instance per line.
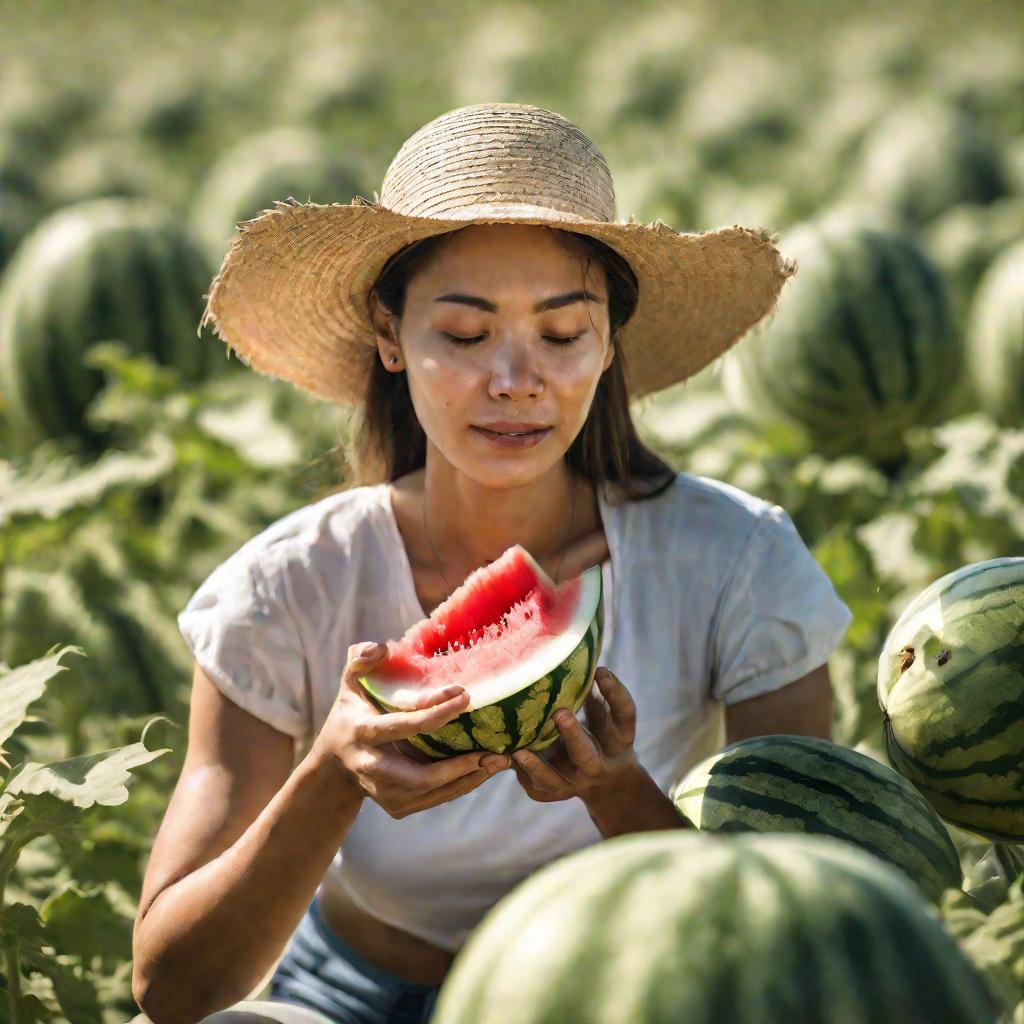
(711,597)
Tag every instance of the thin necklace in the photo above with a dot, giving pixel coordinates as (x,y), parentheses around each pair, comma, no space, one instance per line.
(572,522)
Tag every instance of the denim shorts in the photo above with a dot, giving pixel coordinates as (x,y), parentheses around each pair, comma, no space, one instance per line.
(319,971)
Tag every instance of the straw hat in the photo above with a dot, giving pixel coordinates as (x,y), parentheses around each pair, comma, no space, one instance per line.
(291,297)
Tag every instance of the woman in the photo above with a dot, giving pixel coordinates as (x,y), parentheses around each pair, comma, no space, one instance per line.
(492,320)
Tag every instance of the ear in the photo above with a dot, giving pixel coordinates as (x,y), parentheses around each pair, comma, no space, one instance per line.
(385,329)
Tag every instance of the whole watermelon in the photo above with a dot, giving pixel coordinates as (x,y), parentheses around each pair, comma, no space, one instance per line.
(686,928)
(106,269)
(811,785)
(966,240)
(862,346)
(951,684)
(995,348)
(925,156)
(275,164)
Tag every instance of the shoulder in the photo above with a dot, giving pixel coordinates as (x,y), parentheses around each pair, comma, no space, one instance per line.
(693,513)
(320,535)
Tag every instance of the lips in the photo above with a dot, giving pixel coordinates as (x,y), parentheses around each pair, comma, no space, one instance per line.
(512,439)
(510,427)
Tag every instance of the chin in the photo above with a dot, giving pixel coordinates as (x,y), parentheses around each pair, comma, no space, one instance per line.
(502,472)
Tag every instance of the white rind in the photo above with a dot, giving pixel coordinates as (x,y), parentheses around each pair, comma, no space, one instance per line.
(517,677)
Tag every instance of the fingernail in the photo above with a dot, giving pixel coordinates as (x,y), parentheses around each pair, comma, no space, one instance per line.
(370,650)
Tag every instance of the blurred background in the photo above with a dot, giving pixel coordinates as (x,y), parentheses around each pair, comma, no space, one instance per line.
(882,407)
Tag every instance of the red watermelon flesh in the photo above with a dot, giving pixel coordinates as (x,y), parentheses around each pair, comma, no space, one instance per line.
(509,636)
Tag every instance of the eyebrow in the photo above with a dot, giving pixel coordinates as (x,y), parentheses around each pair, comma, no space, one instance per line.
(555,302)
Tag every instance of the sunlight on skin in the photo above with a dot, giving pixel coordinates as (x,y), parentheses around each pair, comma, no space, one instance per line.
(480,498)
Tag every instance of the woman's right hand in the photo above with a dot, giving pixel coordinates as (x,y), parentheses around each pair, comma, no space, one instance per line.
(362,741)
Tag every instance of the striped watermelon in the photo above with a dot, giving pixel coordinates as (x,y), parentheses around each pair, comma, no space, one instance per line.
(966,240)
(275,164)
(686,928)
(862,346)
(520,647)
(805,784)
(104,269)
(951,684)
(925,156)
(996,338)
(739,123)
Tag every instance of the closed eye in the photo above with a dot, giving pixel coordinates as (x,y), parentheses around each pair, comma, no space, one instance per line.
(480,337)
(463,341)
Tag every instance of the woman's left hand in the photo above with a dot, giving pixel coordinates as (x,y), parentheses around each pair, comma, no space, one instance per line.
(590,761)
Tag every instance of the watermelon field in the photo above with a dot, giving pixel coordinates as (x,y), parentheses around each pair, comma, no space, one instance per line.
(882,407)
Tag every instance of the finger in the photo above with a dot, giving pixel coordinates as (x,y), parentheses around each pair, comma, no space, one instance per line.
(386,766)
(400,725)
(582,554)
(598,720)
(580,744)
(620,704)
(532,790)
(543,774)
(557,757)
(432,697)
(450,791)
(362,658)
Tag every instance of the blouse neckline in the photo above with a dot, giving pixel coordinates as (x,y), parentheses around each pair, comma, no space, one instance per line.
(411,600)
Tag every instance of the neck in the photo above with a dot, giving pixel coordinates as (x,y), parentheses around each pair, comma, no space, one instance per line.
(470,524)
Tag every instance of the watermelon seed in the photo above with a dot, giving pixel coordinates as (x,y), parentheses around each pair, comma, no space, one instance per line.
(944,656)
(906,659)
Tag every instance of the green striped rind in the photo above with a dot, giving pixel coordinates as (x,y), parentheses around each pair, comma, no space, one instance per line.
(107,269)
(997,337)
(676,926)
(810,785)
(522,720)
(951,684)
(863,344)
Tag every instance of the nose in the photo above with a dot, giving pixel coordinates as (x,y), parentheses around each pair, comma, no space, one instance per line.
(513,372)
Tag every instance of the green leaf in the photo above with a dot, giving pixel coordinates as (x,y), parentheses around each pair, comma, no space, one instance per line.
(22,925)
(890,539)
(87,780)
(29,1008)
(50,486)
(997,947)
(10,808)
(19,687)
(84,923)
(687,418)
(249,427)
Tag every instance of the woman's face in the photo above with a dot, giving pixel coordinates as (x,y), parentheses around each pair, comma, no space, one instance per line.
(525,364)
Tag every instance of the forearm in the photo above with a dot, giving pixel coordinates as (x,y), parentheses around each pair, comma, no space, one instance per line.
(210,938)
(637,806)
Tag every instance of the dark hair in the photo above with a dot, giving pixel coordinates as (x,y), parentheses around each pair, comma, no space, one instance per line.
(390,441)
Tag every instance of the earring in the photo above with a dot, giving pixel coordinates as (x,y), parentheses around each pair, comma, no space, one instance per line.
(394,359)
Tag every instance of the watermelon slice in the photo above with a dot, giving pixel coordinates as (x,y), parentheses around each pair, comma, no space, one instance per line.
(521,648)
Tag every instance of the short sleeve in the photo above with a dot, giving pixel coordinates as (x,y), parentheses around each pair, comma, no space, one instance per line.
(780,615)
(244,637)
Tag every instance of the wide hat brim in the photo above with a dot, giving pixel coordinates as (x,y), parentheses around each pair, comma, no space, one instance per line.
(291,297)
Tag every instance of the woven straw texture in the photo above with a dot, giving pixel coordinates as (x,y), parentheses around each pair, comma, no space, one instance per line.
(291,297)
